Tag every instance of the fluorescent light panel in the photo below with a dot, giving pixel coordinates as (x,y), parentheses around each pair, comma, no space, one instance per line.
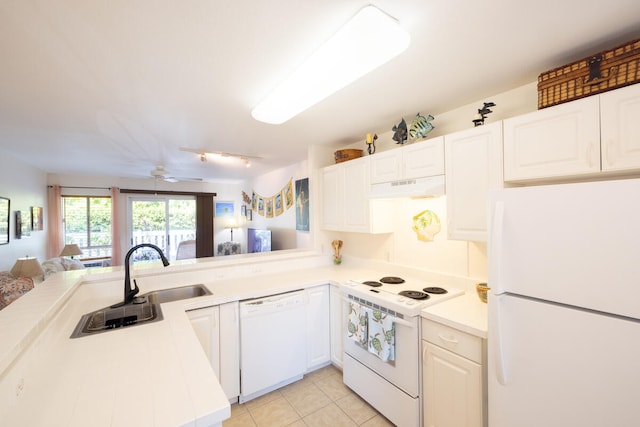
(367,41)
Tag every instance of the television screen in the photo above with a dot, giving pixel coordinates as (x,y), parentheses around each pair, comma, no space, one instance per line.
(258,240)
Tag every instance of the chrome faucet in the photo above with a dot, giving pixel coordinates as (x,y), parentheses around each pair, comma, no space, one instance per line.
(129,293)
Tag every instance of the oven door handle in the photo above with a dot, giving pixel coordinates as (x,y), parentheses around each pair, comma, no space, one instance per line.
(397,320)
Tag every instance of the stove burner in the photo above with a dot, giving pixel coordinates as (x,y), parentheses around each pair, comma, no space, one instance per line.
(414,294)
(372,283)
(391,280)
(435,290)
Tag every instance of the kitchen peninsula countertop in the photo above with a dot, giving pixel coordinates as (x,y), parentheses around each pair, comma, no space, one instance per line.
(154,374)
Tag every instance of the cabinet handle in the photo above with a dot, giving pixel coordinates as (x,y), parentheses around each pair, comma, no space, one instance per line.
(447,339)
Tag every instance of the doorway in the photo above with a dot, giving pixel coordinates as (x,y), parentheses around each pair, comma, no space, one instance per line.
(162,221)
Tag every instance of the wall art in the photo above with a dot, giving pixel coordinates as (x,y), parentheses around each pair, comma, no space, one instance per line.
(5,206)
(36,218)
(302,204)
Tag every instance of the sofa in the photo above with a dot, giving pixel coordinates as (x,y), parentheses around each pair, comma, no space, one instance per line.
(55,265)
(12,288)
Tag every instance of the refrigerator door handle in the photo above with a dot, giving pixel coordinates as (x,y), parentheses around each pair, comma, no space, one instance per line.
(495,325)
(495,248)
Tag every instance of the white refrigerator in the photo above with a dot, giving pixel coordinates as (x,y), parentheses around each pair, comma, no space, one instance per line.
(564,308)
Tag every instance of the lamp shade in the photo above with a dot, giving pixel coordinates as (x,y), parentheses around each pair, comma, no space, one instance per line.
(27,267)
(71,250)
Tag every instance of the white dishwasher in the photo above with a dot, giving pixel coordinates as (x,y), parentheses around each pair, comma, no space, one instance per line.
(272,343)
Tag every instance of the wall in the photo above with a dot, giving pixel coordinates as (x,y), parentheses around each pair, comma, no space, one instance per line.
(283,227)
(459,258)
(26,186)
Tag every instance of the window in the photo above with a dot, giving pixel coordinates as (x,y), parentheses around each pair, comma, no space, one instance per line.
(162,221)
(87,223)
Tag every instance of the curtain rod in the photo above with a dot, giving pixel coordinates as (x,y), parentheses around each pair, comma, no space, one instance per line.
(84,188)
(167,193)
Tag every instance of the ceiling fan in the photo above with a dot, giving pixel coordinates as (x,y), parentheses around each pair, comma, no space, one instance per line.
(161,174)
(204,153)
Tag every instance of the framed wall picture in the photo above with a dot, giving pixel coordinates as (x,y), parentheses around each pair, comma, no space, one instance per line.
(5,206)
(36,218)
(249,214)
(302,204)
(224,209)
(23,224)
(243,210)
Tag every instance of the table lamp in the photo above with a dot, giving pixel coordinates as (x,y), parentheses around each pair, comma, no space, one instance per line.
(70,250)
(27,267)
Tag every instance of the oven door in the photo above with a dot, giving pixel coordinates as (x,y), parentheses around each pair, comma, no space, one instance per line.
(403,372)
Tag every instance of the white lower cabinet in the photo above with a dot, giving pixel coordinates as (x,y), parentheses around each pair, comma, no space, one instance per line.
(335,313)
(452,377)
(218,332)
(318,327)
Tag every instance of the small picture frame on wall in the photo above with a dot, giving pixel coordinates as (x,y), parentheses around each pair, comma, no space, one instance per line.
(249,215)
(243,210)
(5,210)
(36,218)
(23,224)
(224,209)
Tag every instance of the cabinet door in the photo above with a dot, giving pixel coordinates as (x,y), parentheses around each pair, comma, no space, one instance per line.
(474,166)
(230,349)
(423,159)
(386,166)
(563,140)
(318,327)
(620,130)
(356,195)
(205,323)
(332,195)
(452,388)
(335,311)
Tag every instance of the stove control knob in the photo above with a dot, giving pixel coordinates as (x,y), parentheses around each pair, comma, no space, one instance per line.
(411,302)
(401,299)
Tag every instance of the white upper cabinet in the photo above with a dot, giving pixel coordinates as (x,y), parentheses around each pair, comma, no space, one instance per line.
(620,129)
(556,141)
(345,200)
(584,138)
(418,160)
(474,166)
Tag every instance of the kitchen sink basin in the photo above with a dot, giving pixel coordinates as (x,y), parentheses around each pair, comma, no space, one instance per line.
(144,309)
(175,294)
(119,317)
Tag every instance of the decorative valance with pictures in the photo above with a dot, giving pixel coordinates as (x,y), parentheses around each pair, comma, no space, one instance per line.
(274,205)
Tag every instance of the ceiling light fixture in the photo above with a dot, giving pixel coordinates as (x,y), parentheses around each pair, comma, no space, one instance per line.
(247,163)
(367,41)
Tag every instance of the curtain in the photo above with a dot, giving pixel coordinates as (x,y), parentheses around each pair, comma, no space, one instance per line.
(116,227)
(55,240)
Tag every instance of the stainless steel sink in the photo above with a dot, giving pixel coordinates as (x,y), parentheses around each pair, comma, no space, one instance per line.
(145,309)
(119,317)
(175,294)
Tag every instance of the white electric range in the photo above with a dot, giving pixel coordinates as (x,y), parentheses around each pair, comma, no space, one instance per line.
(392,386)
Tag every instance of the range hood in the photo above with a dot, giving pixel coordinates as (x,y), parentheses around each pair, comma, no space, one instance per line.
(418,187)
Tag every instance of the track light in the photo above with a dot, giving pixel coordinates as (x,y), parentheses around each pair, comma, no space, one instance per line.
(203,157)
(246,162)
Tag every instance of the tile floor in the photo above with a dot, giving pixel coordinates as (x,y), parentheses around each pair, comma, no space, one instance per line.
(319,399)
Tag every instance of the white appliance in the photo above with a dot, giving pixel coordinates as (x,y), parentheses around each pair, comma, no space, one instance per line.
(272,343)
(393,387)
(564,308)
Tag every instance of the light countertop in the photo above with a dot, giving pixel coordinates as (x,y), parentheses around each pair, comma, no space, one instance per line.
(154,374)
(466,313)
